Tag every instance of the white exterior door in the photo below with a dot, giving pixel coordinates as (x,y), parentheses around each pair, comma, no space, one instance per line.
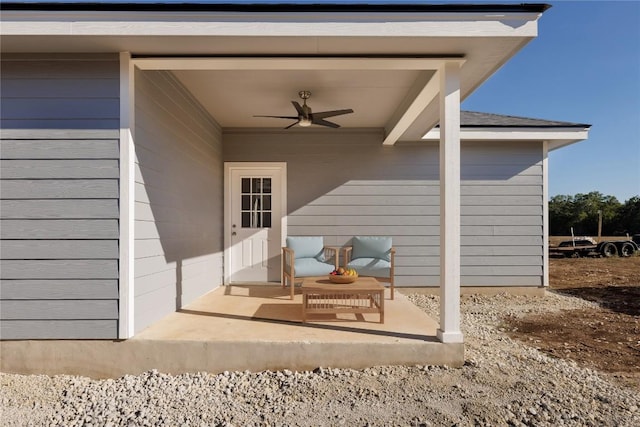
(254,222)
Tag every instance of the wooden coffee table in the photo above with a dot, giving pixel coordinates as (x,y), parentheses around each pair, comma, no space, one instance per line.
(319,295)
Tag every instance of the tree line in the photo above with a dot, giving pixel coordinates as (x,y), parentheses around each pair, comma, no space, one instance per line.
(582,210)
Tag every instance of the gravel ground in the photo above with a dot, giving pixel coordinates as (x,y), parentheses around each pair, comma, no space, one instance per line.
(503,382)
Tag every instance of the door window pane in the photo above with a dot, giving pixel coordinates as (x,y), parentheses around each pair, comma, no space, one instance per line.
(266,219)
(246,202)
(246,185)
(246,220)
(266,185)
(266,203)
(255,202)
(255,185)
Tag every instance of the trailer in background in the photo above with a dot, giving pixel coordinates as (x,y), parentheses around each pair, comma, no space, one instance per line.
(586,246)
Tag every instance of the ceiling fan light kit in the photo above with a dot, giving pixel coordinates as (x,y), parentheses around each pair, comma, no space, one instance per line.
(306,117)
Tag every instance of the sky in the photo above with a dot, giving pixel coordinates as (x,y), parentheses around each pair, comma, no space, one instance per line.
(583,67)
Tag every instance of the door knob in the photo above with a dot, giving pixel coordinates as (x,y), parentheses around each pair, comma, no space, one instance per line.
(233,234)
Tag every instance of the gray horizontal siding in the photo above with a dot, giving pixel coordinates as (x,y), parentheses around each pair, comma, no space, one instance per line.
(58,309)
(50,108)
(56,289)
(59,249)
(12,134)
(58,329)
(64,87)
(374,201)
(505,245)
(342,184)
(59,229)
(60,149)
(59,209)
(39,93)
(357,210)
(59,269)
(58,169)
(59,189)
(178,198)
(59,165)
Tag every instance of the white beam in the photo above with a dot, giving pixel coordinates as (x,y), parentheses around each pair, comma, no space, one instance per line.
(291,63)
(449,331)
(127,199)
(401,123)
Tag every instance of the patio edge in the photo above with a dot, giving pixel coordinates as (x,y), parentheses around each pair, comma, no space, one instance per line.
(113,359)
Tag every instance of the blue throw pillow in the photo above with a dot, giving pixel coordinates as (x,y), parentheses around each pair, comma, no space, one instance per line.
(306,247)
(371,247)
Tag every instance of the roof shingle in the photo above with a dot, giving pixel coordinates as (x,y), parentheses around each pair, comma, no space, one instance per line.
(476,119)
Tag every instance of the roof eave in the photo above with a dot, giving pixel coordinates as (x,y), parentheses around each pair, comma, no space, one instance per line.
(276,7)
(557,137)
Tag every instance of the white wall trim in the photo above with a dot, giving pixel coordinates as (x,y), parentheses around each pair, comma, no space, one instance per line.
(127,203)
(545,213)
(293,63)
(449,331)
(228,168)
(563,136)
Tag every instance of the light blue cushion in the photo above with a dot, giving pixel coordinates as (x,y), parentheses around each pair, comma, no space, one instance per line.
(306,247)
(371,267)
(305,267)
(371,247)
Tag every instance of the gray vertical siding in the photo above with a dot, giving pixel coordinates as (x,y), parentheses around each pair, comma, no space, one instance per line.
(59,197)
(345,183)
(178,198)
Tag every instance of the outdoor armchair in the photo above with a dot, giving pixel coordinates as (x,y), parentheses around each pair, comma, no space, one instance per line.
(306,257)
(372,256)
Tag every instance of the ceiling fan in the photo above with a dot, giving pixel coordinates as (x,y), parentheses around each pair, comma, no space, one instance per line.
(306,118)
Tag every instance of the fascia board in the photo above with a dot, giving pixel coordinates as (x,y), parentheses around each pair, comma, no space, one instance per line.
(517,134)
(261,24)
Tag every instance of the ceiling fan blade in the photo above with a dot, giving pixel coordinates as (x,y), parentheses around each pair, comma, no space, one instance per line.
(298,109)
(325,114)
(292,124)
(281,117)
(326,123)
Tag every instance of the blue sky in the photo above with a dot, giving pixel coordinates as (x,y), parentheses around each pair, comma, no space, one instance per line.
(583,67)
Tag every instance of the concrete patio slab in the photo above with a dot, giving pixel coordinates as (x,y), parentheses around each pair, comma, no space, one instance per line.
(245,327)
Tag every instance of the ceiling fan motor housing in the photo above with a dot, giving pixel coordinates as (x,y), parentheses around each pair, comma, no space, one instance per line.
(304,94)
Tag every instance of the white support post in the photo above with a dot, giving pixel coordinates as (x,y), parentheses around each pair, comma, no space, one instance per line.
(449,331)
(545,213)
(127,203)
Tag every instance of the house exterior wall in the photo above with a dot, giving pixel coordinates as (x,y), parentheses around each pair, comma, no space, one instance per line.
(345,183)
(178,198)
(59,214)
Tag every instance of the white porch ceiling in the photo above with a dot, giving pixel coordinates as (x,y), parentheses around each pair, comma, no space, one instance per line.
(234,97)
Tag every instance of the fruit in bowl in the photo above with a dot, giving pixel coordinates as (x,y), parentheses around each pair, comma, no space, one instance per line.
(344,272)
(343,275)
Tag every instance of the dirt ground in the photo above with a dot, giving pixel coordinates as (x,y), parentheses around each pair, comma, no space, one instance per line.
(605,338)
